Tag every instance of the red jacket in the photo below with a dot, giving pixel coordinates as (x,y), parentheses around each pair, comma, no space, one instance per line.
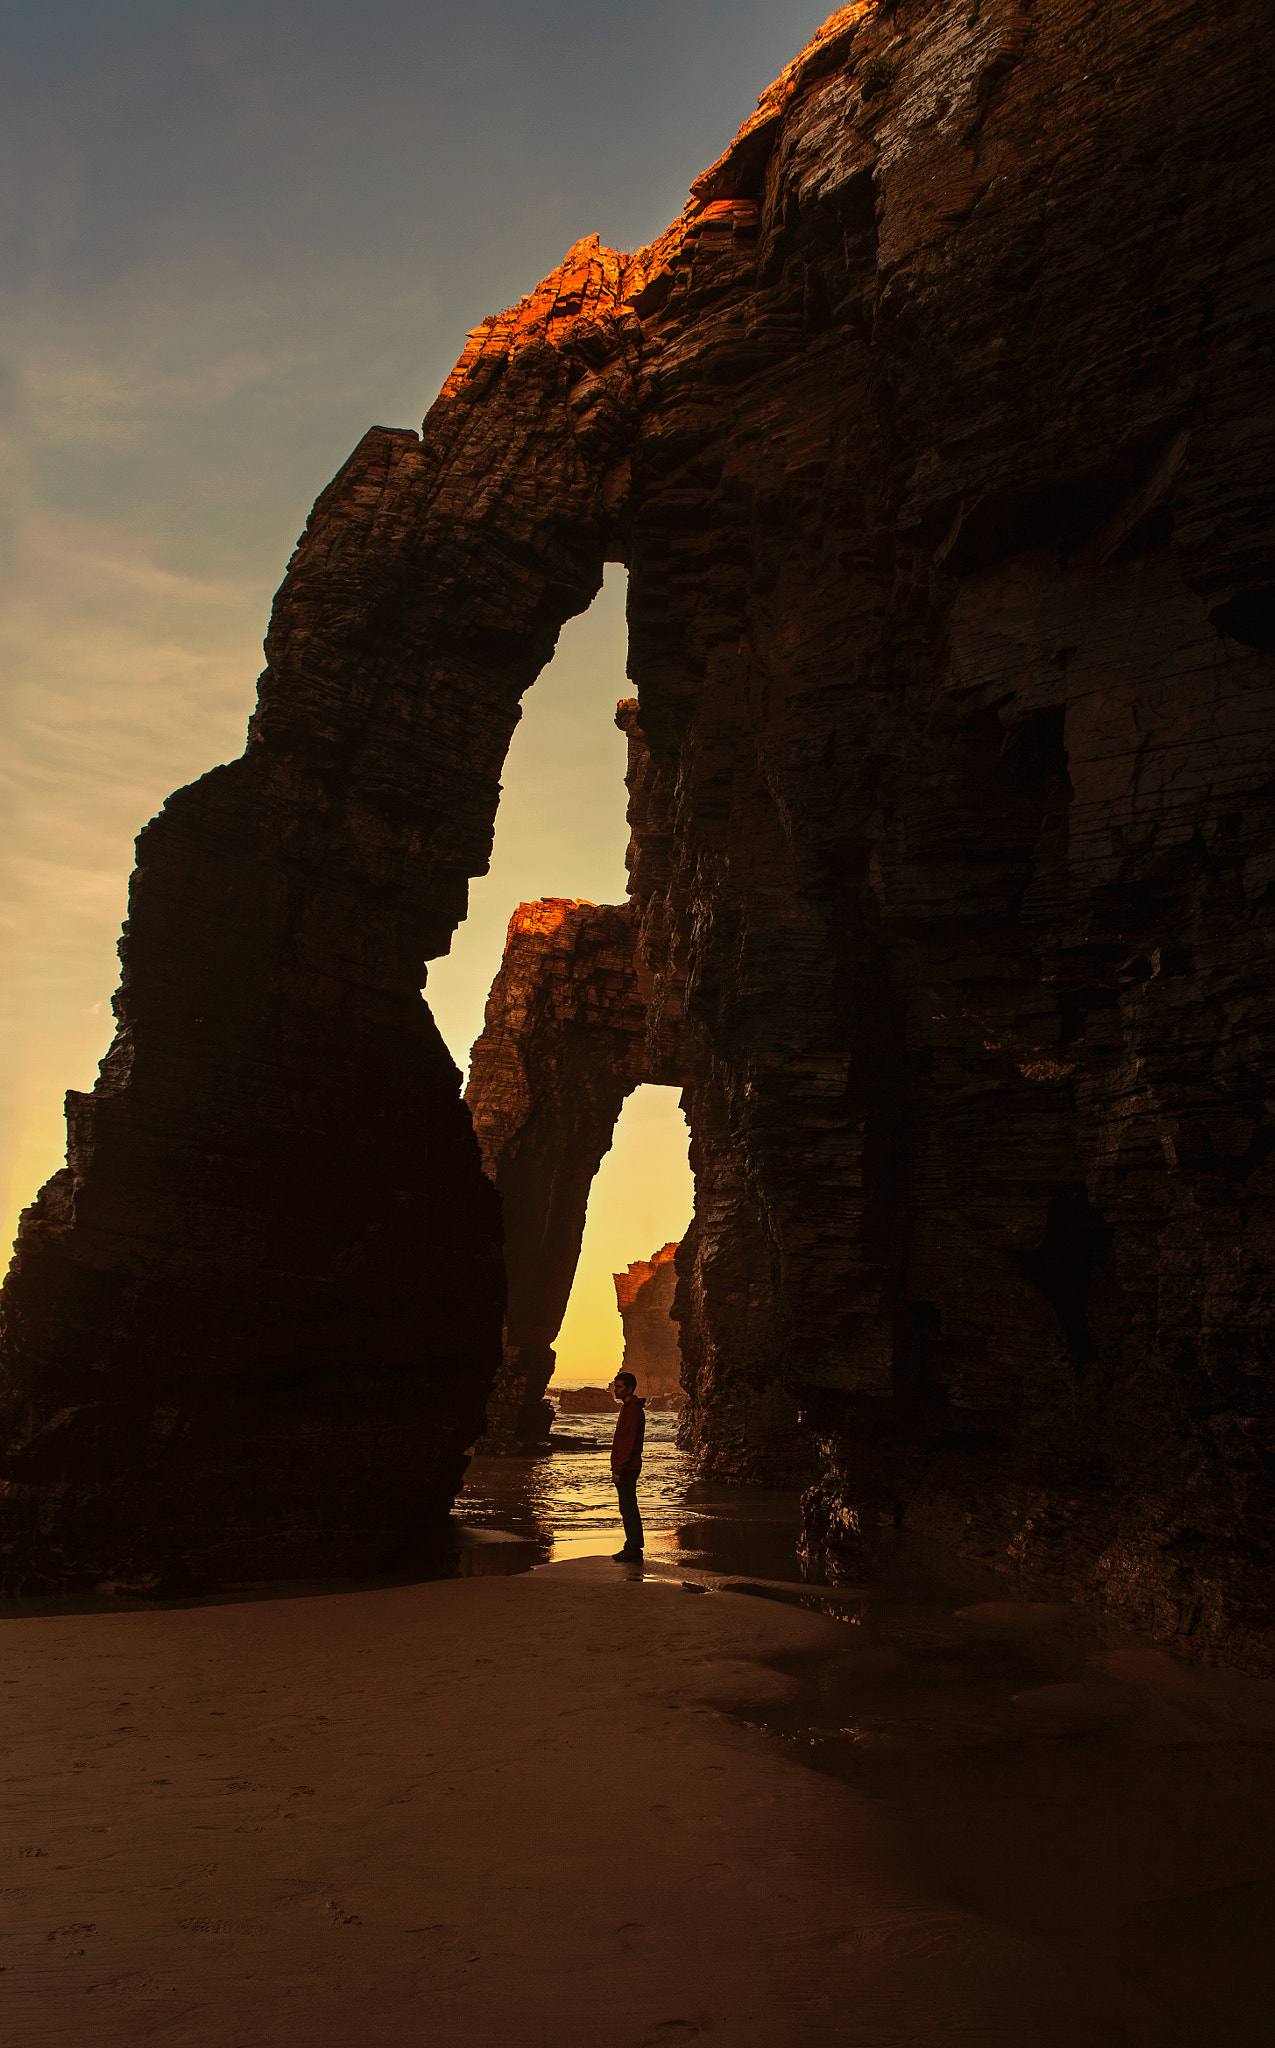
(630,1433)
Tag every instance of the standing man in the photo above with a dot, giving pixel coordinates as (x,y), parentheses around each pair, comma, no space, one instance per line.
(626,1463)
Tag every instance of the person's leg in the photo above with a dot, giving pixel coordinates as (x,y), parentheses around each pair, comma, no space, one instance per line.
(626,1487)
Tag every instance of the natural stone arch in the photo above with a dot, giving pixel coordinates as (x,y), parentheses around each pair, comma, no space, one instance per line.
(936,440)
(251,1324)
(588,1004)
(562,1048)
(565,1043)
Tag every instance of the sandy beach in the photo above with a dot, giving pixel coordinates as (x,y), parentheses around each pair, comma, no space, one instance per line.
(525,1810)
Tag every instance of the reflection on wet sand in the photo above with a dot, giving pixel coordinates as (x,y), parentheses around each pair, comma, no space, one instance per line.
(563,1504)
(1048,1771)
(1026,1829)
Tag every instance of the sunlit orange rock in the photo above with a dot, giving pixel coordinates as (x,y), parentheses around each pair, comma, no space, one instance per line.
(539,920)
(639,1273)
(644,1296)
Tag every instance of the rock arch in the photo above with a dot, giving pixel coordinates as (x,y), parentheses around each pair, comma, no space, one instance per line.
(563,1046)
(570,1032)
(937,438)
(250,1325)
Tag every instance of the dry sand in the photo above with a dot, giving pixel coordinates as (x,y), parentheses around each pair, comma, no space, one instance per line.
(494,1813)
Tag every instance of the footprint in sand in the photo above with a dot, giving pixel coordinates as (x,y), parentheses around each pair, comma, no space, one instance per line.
(340,1918)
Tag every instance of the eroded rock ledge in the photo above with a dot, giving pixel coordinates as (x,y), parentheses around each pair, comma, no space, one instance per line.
(644,1297)
(563,1045)
(938,435)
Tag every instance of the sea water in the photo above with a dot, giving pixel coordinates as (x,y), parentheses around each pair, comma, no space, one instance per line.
(561,1503)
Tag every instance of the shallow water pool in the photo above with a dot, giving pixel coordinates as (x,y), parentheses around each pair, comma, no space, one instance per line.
(563,1504)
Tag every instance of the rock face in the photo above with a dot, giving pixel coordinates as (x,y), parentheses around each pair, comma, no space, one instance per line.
(964,682)
(937,435)
(563,1044)
(251,1326)
(742,1422)
(644,1297)
(587,1401)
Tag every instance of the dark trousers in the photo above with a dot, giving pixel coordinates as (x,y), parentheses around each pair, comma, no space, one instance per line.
(626,1487)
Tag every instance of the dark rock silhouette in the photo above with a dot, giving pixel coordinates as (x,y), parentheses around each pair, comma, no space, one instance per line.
(937,435)
(740,1419)
(742,1423)
(587,1401)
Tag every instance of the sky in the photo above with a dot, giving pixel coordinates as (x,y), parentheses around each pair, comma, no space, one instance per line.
(233,235)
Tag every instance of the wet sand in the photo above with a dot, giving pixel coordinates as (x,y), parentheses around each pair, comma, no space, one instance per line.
(530,1811)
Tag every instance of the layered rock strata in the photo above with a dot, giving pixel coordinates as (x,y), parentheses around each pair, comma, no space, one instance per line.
(644,1297)
(742,1422)
(937,435)
(563,1045)
(950,620)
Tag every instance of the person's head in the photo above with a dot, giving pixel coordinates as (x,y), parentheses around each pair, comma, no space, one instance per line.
(624,1384)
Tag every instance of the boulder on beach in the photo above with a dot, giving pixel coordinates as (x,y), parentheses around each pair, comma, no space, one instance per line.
(585,1400)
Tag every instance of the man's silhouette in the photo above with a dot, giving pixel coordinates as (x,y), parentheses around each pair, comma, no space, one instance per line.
(626,1463)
